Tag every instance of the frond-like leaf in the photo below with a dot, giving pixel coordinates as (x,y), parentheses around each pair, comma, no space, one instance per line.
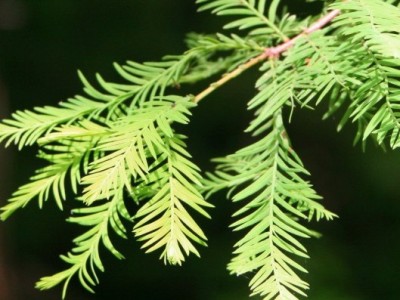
(376,102)
(259,17)
(26,127)
(164,221)
(85,256)
(269,173)
(371,94)
(66,159)
(131,143)
(370,22)
(308,73)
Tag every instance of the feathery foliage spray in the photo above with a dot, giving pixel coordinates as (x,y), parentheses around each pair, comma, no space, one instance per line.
(119,143)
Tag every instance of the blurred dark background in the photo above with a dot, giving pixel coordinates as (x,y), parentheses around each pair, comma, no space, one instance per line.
(44,42)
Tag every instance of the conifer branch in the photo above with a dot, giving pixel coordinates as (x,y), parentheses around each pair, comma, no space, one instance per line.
(119,143)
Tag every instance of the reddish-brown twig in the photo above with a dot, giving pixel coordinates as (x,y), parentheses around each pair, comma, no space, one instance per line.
(271,52)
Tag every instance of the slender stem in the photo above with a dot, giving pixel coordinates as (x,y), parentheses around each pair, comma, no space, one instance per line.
(320,23)
(227,77)
(268,53)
